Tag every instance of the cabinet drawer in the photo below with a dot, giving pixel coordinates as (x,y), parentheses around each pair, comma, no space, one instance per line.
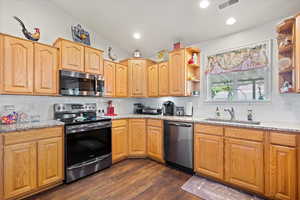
(155,122)
(117,123)
(284,139)
(241,133)
(36,134)
(209,129)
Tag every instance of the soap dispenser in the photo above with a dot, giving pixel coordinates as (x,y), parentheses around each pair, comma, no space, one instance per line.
(218,113)
(250,113)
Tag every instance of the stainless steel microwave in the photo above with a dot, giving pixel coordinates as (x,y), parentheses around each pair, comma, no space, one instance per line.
(80,84)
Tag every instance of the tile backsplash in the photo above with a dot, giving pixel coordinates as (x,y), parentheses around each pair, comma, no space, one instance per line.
(43,105)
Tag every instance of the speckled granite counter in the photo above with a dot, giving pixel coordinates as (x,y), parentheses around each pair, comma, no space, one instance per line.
(28,126)
(273,126)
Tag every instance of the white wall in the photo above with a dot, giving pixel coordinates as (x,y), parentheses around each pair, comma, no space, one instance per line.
(285,107)
(52,20)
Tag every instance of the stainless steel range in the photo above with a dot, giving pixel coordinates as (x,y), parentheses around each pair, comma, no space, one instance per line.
(87,140)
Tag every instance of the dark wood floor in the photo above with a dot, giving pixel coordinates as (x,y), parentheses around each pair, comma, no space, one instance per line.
(136,179)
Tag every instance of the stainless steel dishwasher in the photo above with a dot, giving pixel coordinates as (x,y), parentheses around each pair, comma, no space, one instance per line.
(178,143)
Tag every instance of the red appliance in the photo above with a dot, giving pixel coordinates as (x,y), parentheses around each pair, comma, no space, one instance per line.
(110,109)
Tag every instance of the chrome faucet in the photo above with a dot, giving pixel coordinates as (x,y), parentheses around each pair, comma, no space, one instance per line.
(231,112)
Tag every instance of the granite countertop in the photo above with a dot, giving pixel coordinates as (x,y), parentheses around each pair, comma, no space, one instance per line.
(272,126)
(28,126)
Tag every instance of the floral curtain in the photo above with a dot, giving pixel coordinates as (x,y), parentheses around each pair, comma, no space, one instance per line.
(248,58)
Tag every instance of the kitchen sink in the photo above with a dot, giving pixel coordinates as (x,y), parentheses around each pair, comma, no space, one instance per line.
(233,121)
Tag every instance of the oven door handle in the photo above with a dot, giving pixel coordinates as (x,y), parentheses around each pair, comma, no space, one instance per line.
(89,163)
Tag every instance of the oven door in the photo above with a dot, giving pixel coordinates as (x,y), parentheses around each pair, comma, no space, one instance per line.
(87,145)
(77,84)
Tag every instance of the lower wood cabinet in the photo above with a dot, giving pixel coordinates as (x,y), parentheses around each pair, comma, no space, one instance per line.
(50,158)
(155,140)
(20,169)
(137,138)
(244,164)
(209,155)
(33,161)
(119,140)
(283,172)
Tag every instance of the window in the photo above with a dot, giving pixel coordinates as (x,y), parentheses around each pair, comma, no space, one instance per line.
(240,75)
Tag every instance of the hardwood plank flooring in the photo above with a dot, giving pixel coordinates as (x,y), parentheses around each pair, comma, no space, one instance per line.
(137,179)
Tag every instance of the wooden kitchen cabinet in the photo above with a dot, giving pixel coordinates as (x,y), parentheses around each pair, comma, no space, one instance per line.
(33,161)
(283,179)
(20,161)
(50,161)
(119,140)
(17,65)
(45,69)
(155,140)
(93,62)
(153,80)
(109,77)
(163,79)
(244,164)
(209,155)
(121,80)
(177,73)
(71,55)
(137,138)
(137,78)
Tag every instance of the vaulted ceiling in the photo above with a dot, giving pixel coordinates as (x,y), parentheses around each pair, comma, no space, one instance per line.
(161,22)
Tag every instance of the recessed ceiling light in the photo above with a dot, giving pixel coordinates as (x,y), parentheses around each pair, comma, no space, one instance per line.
(204,3)
(137,36)
(230,21)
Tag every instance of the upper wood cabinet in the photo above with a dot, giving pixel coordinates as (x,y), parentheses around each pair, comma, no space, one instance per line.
(283,181)
(119,140)
(155,140)
(244,161)
(163,79)
(153,80)
(109,77)
(121,80)
(297,52)
(93,61)
(137,138)
(71,55)
(209,155)
(17,67)
(177,73)
(137,78)
(50,161)
(20,161)
(45,69)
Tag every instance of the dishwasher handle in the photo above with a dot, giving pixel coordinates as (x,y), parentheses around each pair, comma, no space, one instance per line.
(179,124)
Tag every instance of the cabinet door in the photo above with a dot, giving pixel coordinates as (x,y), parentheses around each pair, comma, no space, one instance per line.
(72,56)
(153,81)
(137,78)
(163,79)
(18,66)
(137,137)
(119,143)
(109,77)
(20,171)
(155,143)
(244,164)
(121,80)
(93,62)
(50,161)
(283,172)
(45,69)
(177,73)
(209,155)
